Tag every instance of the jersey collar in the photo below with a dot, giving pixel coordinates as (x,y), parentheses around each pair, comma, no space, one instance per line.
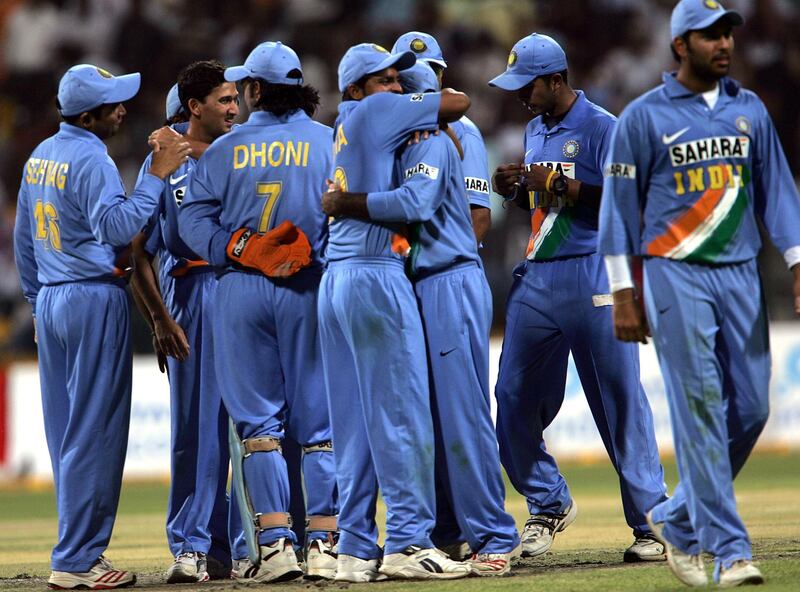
(675,90)
(72,131)
(572,120)
(268,118)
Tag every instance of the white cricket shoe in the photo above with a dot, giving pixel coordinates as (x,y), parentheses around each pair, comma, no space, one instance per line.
(242,569)
(540,530)
(353,569)
(188,568)
(321,559)
(689,569)
(102,576)
(278,564)
(741,572)
(645,548)
(423,564)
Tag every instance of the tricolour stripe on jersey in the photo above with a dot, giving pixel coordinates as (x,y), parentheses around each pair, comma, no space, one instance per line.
(703,231)
(548,232)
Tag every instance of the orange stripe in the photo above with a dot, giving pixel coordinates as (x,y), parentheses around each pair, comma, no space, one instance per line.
(689,221)
(537,219)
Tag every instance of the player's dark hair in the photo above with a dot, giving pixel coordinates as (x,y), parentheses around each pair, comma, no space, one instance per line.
(360,83)
(179,117)
(285,98)
(675,55)
(198,80)
(97,113)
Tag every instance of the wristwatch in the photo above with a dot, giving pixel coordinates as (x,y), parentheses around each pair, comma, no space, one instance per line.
(559,185)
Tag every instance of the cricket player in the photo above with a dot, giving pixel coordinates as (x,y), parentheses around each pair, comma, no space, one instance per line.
(376,370)
(73,223)
(197,513)
(252,211)
(559,303)
(693,164)
(475,162)
(455,303)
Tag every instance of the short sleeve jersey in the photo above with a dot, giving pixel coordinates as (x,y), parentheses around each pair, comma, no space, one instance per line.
(367,135)
(576,146)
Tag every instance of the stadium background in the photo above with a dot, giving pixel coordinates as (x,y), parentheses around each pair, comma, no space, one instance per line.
(616,48)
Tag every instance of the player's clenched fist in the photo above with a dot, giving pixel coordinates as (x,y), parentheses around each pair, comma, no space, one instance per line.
(170,150)
(506,179)
(281,252)
(630,323)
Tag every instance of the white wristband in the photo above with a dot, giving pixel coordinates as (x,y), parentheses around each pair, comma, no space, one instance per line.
(792,256)
(619,272)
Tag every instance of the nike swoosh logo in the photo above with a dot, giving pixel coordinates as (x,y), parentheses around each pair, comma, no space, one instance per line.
(670,139)
(443,353)
(664,310)
(174,180)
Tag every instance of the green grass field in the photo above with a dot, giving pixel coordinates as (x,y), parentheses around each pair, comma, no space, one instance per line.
(587,556)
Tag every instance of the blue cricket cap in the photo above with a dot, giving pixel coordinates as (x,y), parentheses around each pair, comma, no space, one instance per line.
(424,46)
(173,102)
(532,56)
(84,87)
(695,15)
(419,78)
(368,58)
(271,61)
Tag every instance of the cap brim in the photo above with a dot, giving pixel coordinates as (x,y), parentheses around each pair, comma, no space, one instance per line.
(438,62)
(736,19)
(400,61)
(509,81)
(125,88)
(236,73)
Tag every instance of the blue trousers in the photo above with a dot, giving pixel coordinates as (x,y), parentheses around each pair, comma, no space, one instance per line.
(456,307)
(269,368)
(377,382)
(710,331)
(85,371)
(551,312)
(198,509)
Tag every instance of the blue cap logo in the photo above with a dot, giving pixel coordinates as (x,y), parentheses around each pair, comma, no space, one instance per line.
(532,56)
(418,45)
(512,58)
(271,61)
(696,15)
(425,46)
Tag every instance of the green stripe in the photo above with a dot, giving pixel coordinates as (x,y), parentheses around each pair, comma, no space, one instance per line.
(557,235)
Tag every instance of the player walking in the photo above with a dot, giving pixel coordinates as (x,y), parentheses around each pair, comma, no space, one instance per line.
(455,304)
(252,210)
(180,314)
(559,304)
(73,220)
(376,371)
(693,164)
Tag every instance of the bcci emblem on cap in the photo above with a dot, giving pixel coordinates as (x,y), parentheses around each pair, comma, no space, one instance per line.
(711,4)
(512,58)
(418,45)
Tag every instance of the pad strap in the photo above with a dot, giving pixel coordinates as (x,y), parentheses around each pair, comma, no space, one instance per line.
(326,446)
(322,523)
(273,520)
(261,444)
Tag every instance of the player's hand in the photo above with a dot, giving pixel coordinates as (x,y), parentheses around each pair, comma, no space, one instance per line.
(170,150)
(535,177)
(281,252)
(506,179)
(160,357)
(418,136)
(796,288)
(630,323)
(333,200)
(170,339)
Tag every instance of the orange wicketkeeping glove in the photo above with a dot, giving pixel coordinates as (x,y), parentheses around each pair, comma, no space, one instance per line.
(281,252)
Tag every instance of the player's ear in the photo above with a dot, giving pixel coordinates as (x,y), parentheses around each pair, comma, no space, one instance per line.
(355,91)
(194,107)
(680,47)
(85,120)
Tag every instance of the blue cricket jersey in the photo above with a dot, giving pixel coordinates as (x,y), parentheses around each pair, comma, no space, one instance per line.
(686,182)
(430,192)
(576,146)
(368,133)
(72,213)
(476,162)
(263,172)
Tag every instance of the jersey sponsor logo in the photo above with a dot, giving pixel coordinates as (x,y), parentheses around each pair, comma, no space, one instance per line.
(277,154)
(178,194)
(714,148)
(620,169)
(176,180)
(571,149)
(669,139)
(543,199)
(477,184)
(565,168)
(417,97)
(50,173)
(422,169)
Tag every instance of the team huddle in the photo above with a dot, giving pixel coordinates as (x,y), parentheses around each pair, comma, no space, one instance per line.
(317,298)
